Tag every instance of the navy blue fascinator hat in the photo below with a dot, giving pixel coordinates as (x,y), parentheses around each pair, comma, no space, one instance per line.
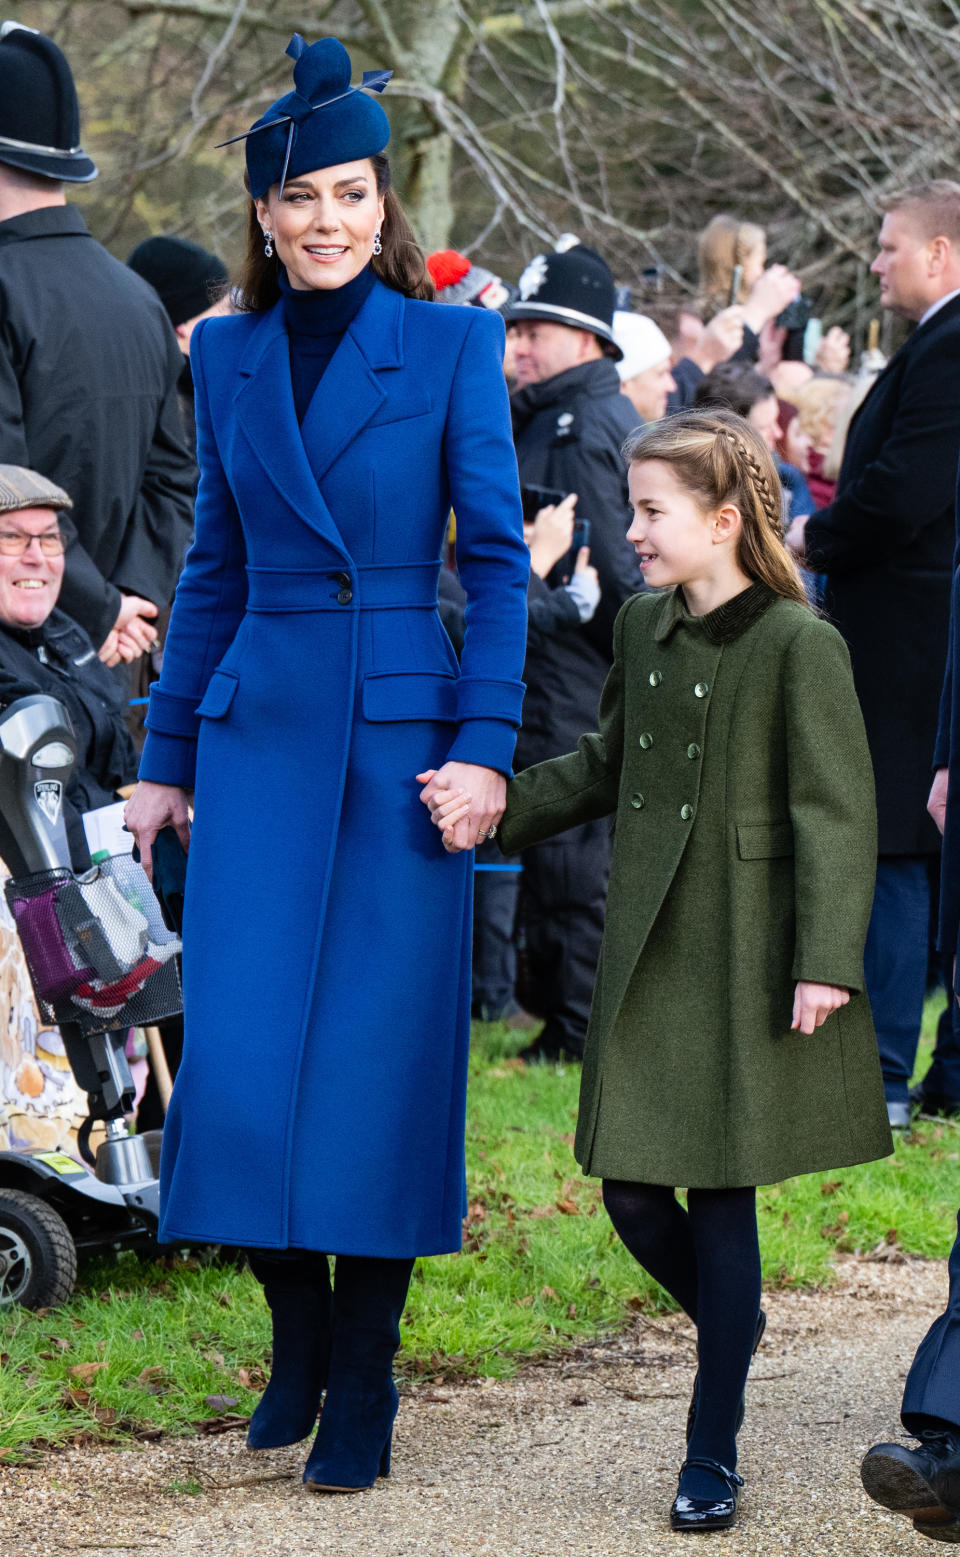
(322,122)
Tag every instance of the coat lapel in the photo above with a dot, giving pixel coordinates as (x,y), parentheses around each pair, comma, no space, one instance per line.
(350,392)
(268,418)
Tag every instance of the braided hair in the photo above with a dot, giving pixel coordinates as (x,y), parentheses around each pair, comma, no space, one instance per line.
(720,458)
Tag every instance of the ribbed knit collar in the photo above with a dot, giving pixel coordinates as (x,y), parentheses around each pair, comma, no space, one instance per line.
(724,623)
(321,311)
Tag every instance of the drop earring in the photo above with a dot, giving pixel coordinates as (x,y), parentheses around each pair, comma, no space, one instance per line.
(268,245)
(377,245)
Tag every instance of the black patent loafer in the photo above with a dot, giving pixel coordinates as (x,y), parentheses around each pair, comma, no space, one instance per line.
(742,1408)
(707,1513)
(923,1482)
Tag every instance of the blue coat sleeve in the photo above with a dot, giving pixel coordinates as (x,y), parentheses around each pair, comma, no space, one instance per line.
(207,611)
(492,557)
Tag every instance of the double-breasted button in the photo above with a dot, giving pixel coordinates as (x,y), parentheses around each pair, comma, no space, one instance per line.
(343,579)
(655,677)
(646,740)
(637,801)
(693,750)
(345,596)
(686,812)
(701,689)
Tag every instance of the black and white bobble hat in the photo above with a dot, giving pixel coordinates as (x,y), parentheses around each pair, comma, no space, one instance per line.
(574,286)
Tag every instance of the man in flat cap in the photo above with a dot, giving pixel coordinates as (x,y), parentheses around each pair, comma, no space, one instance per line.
(88,366)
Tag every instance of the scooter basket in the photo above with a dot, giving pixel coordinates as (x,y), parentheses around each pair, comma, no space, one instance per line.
(98,950)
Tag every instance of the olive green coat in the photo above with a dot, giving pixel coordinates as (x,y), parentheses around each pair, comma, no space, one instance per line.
(732,751)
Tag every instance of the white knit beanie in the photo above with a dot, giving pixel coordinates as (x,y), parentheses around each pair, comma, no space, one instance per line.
(642,342)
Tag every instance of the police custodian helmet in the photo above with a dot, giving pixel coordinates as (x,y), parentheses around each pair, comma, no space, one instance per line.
(39,114)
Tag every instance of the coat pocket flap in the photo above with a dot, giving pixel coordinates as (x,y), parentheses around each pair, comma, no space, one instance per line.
(219,694)
(413,694)
(395,410)
(765,840)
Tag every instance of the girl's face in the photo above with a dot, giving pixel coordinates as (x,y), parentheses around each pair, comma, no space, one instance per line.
(324,224)
(671,534)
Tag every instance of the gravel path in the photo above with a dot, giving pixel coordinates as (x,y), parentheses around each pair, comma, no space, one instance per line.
(573,1456)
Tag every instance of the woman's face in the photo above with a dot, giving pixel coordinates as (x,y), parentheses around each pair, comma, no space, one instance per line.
(753,264)
(29,585)
(648,391)
(324,223)
(765,417)
(797,444)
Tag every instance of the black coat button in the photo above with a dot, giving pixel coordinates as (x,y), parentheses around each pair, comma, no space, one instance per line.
(345,596)
(343,579)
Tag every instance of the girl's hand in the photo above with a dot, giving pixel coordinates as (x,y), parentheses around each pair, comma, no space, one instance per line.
(484,790)
(150,807)
(813,1003)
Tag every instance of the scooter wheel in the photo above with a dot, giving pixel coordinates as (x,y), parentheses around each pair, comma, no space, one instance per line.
(38,1258)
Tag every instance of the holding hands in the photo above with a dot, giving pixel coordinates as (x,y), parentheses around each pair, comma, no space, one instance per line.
(465,801)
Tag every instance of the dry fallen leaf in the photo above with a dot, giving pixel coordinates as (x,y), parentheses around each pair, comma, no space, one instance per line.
(85,1370)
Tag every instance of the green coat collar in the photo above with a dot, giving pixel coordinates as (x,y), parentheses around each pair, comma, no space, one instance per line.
(722,625)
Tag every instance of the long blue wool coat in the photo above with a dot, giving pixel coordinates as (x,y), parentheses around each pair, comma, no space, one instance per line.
(306,680)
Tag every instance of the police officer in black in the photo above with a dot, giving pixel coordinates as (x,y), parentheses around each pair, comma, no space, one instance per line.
(88,366)
(570,421)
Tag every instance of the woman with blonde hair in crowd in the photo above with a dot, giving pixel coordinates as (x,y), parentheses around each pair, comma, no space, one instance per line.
(732,257)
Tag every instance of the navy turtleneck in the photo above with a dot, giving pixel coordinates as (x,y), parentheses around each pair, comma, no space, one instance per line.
(316,322)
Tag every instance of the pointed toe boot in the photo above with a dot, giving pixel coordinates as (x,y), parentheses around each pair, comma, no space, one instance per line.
(299,1297)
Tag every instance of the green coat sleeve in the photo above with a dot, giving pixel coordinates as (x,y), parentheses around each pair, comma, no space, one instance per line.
(566,791)
(832,808)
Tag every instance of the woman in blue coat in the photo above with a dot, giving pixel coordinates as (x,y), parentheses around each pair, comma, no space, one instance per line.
(307,681)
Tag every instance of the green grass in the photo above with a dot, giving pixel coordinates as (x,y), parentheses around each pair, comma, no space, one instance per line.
(166,1346)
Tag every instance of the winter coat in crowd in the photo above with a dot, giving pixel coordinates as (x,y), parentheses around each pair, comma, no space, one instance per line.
(730,816)
(568,432)
(89,367)
(886,546)
(57,658)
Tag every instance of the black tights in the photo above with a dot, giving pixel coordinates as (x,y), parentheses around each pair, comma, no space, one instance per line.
(708,1259)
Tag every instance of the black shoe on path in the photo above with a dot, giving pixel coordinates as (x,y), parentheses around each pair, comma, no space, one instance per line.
(923,1483)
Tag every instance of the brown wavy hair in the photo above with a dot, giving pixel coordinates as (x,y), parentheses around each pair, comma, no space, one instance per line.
(719,458)
(400,266)
(724,244)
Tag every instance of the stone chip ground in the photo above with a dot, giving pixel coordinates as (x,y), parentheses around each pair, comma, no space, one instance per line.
(573,1456)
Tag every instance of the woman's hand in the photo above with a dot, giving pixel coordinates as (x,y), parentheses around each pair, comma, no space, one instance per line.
(470,801)
(937,798)
(150,807)
(813,1003)
(551,534)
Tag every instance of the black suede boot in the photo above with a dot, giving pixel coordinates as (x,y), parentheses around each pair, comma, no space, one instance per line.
(296,1285)
(352,1446)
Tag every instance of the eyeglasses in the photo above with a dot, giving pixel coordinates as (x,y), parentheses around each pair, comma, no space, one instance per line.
(13,543)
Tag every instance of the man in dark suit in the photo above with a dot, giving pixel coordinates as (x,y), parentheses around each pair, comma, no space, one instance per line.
(923,1482)
(886,544)
(88,366)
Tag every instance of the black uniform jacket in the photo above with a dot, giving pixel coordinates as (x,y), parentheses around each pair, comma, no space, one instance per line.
(886,545)
(569,431)
(59,659)
(88,396)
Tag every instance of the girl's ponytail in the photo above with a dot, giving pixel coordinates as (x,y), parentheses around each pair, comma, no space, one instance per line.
(720,458)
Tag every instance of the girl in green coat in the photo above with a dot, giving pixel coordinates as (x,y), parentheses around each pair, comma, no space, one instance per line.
(730,1040)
